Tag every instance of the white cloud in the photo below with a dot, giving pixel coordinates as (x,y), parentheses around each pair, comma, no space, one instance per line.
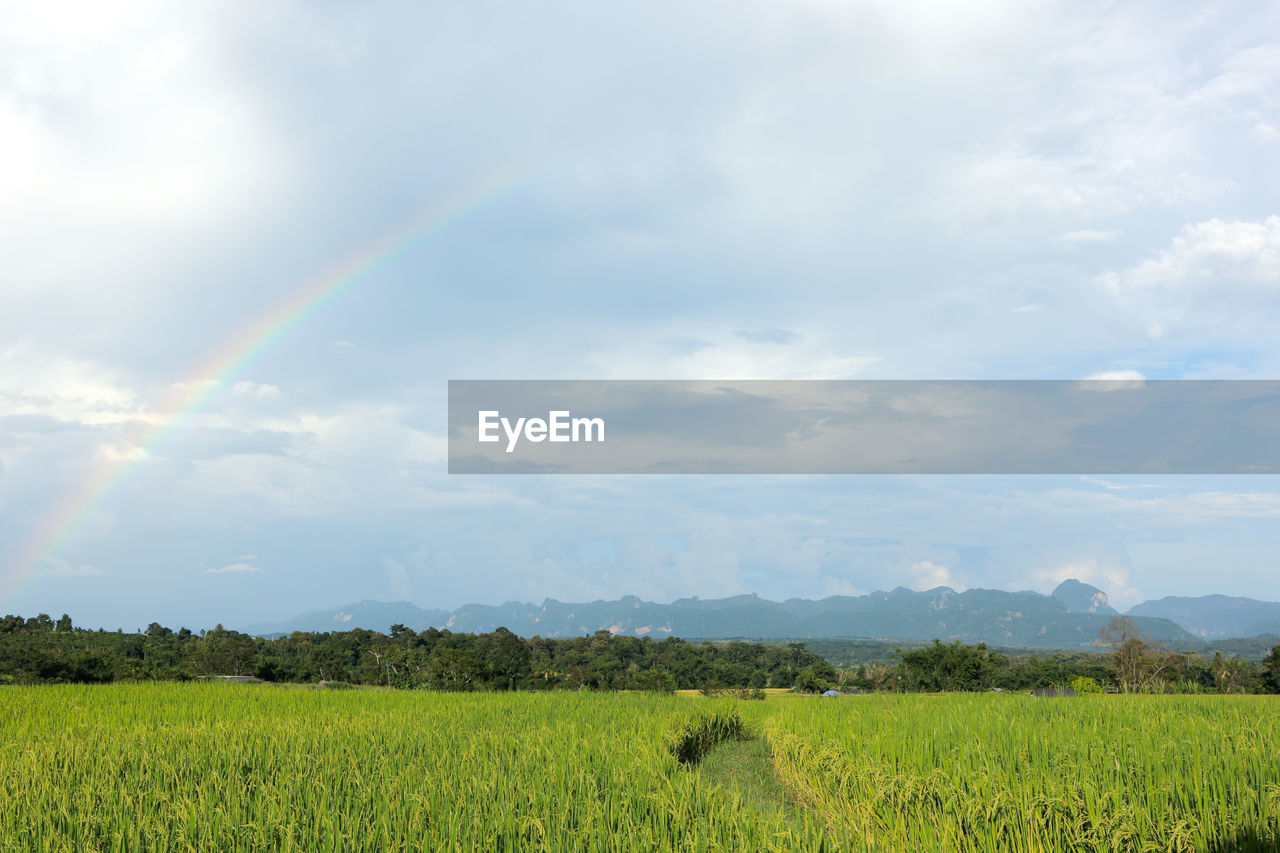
(1216,276)
(255,390)
(1013,182)
(784,167)
(927,574)
(193,387)
(56,567)
(234,568)
(729,356)
(1111,578)
(1206,252)
(120,127)
(1116,375)
(1250,75)
(1235,505)
(1265,132)
(840,586)
(1121,378)
(1131,125)
(1172,511)
(1088,235)
(1114,486)
(38,382)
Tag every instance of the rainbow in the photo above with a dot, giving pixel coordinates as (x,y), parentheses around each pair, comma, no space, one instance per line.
(61,525)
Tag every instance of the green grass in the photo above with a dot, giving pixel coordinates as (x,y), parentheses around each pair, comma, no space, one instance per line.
(746,767)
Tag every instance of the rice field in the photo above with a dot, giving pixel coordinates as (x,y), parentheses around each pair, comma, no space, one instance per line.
(244,767)
(975,772)
(241,767)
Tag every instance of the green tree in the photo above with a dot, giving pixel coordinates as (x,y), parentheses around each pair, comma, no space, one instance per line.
(1270,676)
(1139,662)
(223,652)
(816,678)
(506,658)
(949,667)
(654,681)
(454,669)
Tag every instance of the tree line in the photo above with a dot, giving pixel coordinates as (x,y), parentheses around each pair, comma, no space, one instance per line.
(1132,663)
(40,650)
(43,650)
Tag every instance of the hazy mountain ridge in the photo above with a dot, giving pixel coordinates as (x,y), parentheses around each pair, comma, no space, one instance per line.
(375,615)
(1215,616)
(1069,617)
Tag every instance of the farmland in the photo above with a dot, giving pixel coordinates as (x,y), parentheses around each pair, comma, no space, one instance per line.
(216,766)
(984,773)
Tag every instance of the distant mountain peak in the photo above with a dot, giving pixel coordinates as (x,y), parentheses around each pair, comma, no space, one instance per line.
(1215,616)
(1070,617)
(1080,597)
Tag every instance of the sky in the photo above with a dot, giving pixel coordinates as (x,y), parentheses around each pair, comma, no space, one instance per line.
(243,248)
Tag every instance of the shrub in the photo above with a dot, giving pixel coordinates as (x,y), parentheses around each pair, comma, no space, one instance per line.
(756,693)
(693,740)
(654,681)
(1083,684)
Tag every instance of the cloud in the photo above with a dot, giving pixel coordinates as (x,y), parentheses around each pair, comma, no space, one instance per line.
(1114,486)
(35,381)
(685,345)
(927,574)
(1236,505)
(1245,76)
(1207,251)
(1116,375)
(1134,132)
(1176,510)
(236,568)
(733,356)
(1265,132)
(255,390)
(1088,235)
(883,184)
(55,567)
(1120,378)
(188,388)
(840,586)
(1217,276)
(1111,578)
(781,337)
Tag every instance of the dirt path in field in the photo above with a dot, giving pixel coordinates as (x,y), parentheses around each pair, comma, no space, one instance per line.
(747,766)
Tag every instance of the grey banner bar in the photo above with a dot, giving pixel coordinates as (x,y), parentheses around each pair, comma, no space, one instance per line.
(864,427)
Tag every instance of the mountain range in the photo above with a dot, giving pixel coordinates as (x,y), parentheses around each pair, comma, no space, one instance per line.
(1215,616)
(1068,618)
